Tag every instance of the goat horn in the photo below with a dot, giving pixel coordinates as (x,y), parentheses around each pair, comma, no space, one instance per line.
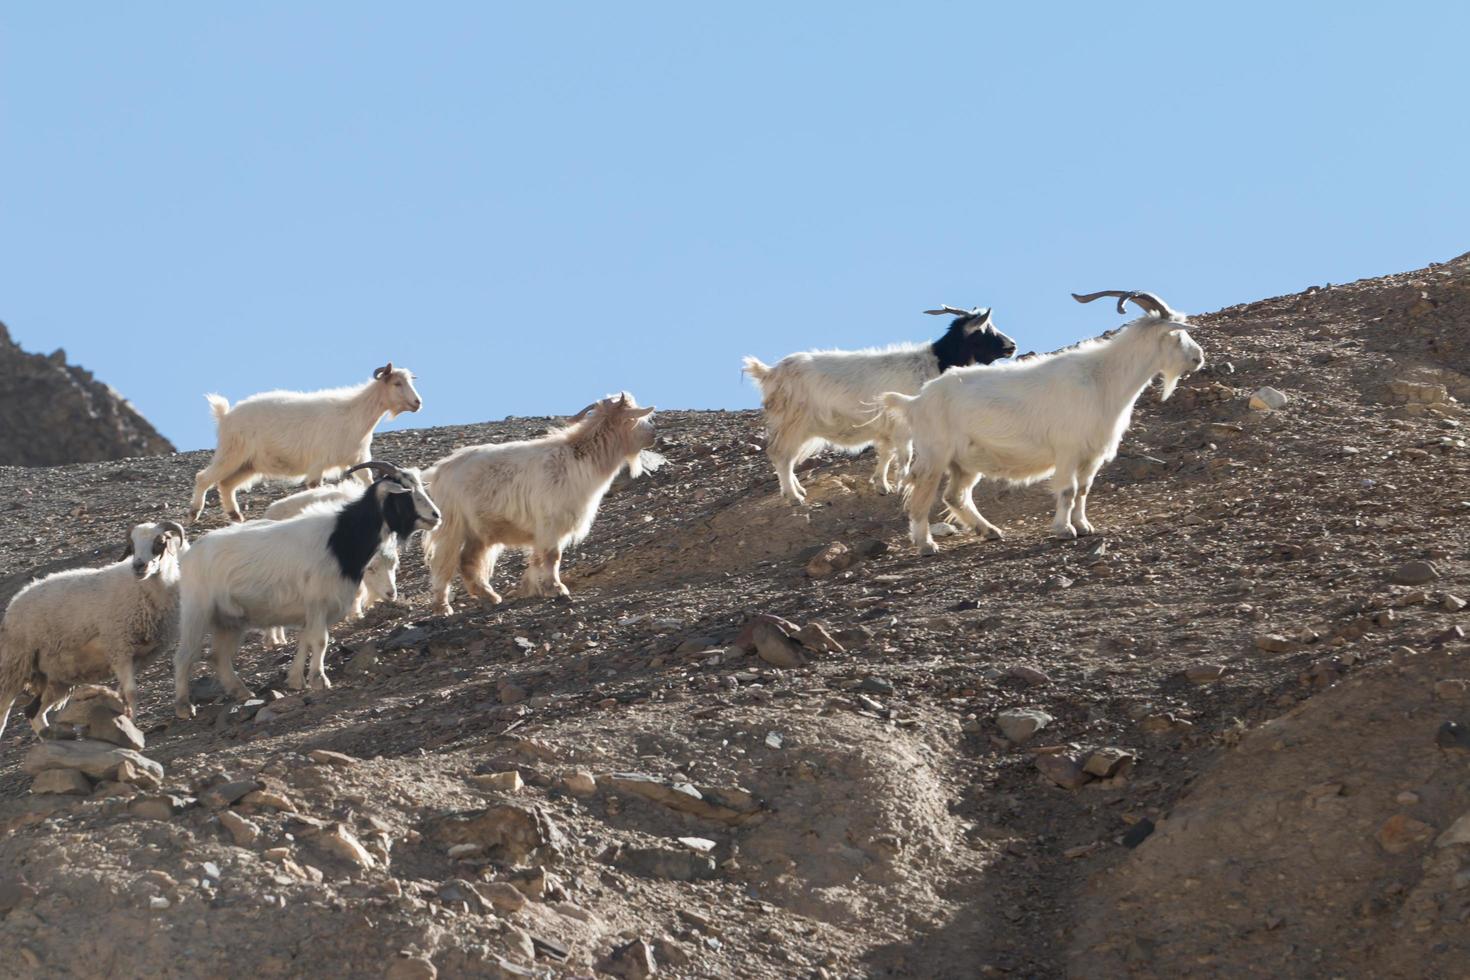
(1147,302)
(952,311)
(584,412)
(175,527)
(377,466)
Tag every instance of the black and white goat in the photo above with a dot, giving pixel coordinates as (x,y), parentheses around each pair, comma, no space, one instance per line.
(829,397)
(303,572)
(296,435)
(1060,415)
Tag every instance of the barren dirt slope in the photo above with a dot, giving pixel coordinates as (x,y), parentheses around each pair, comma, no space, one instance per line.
(1276,806)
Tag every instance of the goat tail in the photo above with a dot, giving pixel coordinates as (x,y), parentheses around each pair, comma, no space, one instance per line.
(757,371)
(896,406)
(219,406)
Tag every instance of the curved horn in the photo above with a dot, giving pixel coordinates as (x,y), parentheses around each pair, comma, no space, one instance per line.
(379,467)
(952,311)
(584,412)
(384,371)
(1147,302)
(174,527)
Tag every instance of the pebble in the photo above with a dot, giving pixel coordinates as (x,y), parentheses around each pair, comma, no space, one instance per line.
(412,968)
(1029,675)
(245,832)
(1063,770)
(1401,832)
(1458,833)
(633,962)
(942,529)
(1105,763)
(776,648)
(339,841)
(579,782)
(1452,603)
(1414,573)
(1019,724)
(1268,399)
(1274,643)
(61,782)
(502,895)
(1452,737)
(506,782)
(327,757)
(1204,673)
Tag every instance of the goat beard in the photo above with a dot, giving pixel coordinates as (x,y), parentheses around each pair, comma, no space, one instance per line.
(1171,381)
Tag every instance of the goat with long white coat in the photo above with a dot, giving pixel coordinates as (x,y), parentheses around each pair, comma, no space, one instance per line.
(304,572)
(81,625)
(539,495)
(829,397)
(298,435)
(1060,415)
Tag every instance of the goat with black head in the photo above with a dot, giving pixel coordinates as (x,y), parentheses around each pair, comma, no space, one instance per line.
(304,572)
(829,398)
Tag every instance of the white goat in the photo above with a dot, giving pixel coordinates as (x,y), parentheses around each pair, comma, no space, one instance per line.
(303,572)
(78,626)
(819,398)
(539,495)
(1060,415)
(294,435)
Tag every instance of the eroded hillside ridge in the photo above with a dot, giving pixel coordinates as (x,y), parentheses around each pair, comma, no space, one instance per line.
(1224,737)
(52,412)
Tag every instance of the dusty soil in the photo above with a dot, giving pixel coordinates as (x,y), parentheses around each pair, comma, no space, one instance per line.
(863,813)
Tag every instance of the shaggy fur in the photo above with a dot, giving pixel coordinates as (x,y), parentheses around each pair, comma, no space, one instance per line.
(539,495)
(81,625)
(829,398)
(295,435)
(1060,415)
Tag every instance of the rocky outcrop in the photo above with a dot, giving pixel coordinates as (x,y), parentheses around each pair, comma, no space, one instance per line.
(52,412)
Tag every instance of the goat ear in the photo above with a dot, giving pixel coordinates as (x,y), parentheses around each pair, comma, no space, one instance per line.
(383,371)
(639,413)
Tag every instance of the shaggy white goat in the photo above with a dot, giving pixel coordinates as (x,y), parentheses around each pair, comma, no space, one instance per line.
(1060,415)
(78,626)
(539,495)
(294,435)
(829,397)
(304,572)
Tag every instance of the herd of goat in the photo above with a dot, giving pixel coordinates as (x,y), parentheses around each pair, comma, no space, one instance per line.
(932,411)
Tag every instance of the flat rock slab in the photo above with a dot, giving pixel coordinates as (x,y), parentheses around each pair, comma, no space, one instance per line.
(97,759)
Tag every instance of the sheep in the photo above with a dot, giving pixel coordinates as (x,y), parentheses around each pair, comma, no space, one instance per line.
(76,626)
(295,435)
(539,495)
(379,584)
(304,572)
(1060,415)
(828,397)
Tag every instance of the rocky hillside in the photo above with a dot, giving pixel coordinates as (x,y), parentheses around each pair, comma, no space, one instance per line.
(1226,736)
(52,412)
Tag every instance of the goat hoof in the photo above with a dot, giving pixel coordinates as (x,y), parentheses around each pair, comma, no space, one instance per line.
(184,712)
(995,534)
(1065,533)
(928,549)
(236,517)
(295,681)
(319,682)
(1083,529)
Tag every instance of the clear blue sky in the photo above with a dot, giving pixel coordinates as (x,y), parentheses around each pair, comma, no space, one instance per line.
(534,204)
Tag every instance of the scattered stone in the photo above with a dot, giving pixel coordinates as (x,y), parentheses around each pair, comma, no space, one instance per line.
(1407,798)
(1452,689)
(61,782)
(666,863)
(162,807)
(1452,603)
(1401,832)
(731,806)
(411,968)
(876,685)
(506,833)
(579,782)
(1204,673)
(1410,392)
(100,760)
(1165,722)
(268,799)
(775,647)
(1105,763)
(1268,399)
(941,529)
(338,840)
(1019,724)
(84,699)
(1414,573)
(1458,833)
(830,560)
(505,782)
(1063,770)
(814,636)
(1274,643)
(512,693)
(1029,675)
(221,795)
(699,845)
(1452,737)
(502,896)
(244,832)
(632,962)
(326,757)
(1137,833)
